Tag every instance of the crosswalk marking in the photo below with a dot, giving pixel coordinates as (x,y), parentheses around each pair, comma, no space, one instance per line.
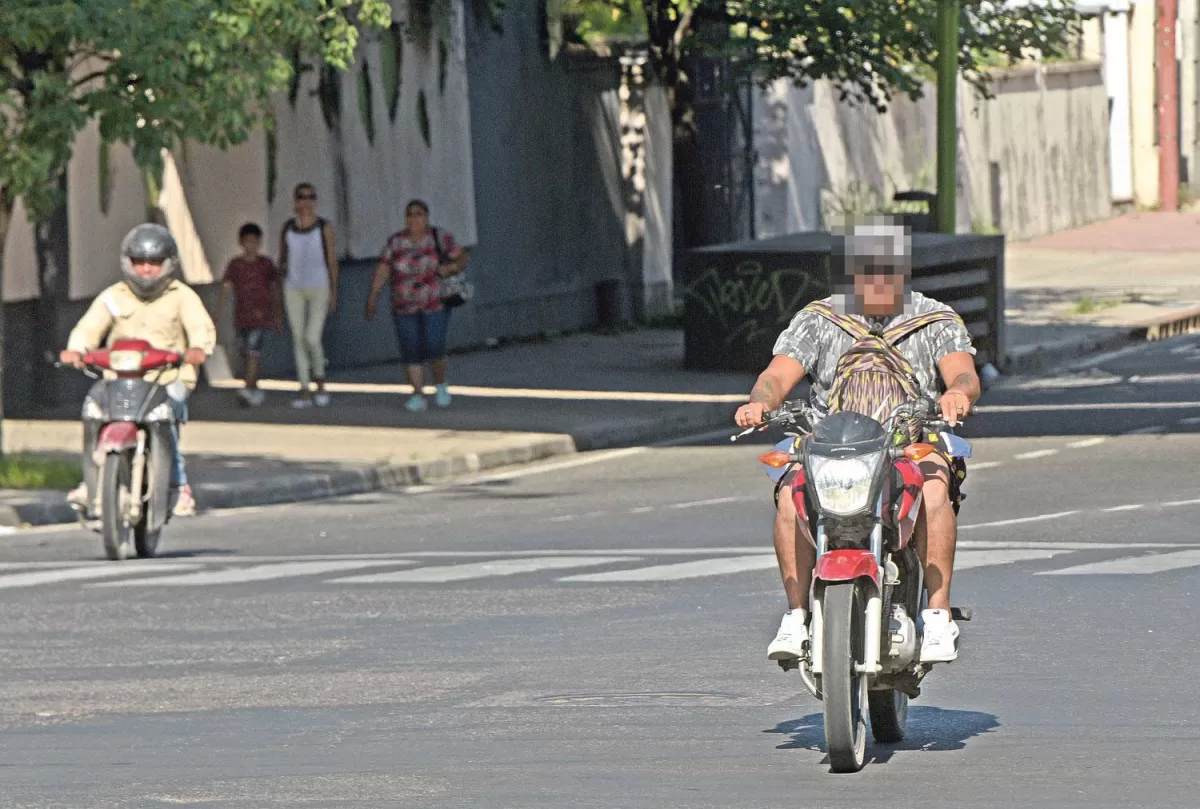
(1155,563)
(249,574)
(681,570)
(441,574)
(965,560)
(36,577)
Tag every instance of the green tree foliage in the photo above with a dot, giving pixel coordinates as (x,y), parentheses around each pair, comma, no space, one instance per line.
(153,73)
(870,49)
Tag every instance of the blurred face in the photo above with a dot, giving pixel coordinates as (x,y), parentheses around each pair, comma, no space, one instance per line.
(879,291)
(251,244)
(305,201)
(147,269)
(416,220)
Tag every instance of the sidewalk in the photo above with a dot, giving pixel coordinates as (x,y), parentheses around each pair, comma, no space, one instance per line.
(1067,295)
(1100,287)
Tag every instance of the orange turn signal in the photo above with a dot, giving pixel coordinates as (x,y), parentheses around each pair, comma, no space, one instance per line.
(915,452)
(776,459)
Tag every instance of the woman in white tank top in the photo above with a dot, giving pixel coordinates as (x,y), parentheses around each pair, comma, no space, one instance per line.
(309,263)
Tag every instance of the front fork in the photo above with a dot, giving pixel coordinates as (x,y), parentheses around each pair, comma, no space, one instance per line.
(811,668)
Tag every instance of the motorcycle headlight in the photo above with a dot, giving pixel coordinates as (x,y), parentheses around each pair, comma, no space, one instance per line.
(125,361)
(162,412)
(843,484)
(92,410)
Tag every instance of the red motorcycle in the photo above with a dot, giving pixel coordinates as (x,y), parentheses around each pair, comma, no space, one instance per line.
(858,487)
(132,423)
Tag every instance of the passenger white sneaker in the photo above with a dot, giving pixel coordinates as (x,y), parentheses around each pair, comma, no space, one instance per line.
(939,637)
(793,632)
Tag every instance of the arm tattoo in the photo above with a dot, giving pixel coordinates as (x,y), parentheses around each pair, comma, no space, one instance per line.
(764,392)
(966,383)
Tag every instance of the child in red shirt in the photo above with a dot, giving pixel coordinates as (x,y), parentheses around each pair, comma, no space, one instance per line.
(254,281)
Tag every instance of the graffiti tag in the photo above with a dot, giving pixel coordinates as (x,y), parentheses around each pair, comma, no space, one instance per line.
(752,302)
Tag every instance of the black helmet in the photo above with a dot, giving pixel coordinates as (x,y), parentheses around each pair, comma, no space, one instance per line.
(149,242)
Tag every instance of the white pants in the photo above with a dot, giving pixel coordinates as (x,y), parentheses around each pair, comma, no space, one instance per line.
(306,312)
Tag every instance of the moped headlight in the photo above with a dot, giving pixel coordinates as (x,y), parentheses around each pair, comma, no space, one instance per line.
(125,361)
(843,485)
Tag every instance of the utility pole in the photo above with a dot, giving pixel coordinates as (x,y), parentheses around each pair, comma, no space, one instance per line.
(947,115)
(1168,104)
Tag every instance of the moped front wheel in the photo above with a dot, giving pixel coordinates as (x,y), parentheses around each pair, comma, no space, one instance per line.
(844,689)
(114,506)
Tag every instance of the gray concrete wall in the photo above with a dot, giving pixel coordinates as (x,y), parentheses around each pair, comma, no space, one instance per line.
(1031,160)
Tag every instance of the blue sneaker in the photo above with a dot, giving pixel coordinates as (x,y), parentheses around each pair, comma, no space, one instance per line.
(442,397)
(416,404)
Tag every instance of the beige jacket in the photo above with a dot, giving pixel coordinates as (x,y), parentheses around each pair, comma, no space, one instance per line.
(176,320)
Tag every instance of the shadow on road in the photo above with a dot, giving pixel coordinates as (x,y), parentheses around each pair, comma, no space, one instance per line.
(929,730)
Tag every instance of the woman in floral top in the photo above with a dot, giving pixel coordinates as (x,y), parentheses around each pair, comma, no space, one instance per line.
(415,260)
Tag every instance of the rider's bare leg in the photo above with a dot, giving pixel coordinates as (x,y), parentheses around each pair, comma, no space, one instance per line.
(936,531)
(793,550)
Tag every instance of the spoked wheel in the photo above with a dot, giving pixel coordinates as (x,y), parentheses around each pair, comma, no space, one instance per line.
(844,689)
(889,715)
(114,508)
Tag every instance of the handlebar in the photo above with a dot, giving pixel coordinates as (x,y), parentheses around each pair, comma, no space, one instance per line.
(800,414)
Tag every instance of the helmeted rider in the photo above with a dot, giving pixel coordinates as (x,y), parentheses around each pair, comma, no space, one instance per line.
(876,293)
(149,303)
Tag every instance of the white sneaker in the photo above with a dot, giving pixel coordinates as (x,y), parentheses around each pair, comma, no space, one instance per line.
(247,397)
(257,397)
(321,399)
(793,633)
(302,404)
(939,637)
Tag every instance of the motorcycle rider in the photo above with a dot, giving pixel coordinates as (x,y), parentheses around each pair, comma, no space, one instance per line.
(148,303)
(877,268)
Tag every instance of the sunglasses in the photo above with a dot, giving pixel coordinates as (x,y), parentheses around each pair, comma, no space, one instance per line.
(302,197)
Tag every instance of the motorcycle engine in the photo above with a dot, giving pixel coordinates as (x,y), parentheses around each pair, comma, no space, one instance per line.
(902,637)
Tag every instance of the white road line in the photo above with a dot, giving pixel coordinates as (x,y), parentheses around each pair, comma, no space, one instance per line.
(553,466)
(1037,453)
(562,518)
(1154,563)
(1077,406)
(249,574)
(1069,546)
(481,570)
(714,502)
(965,560)
(1190,420)
(1146,430)
(681,570)
(642,509)
(1130,507)
(34,578)
(975,467)
(1088,442)
(1182,503)
(1018,520)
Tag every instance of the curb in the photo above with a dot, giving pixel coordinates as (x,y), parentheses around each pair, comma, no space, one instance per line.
(50,509)
(1034,359)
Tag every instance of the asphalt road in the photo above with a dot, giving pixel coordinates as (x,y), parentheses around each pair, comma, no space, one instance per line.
(594,635)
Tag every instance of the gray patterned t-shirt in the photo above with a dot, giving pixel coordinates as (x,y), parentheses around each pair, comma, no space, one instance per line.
(817,345)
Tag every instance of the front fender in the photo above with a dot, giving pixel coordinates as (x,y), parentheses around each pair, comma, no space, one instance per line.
(847,565)
(117,436)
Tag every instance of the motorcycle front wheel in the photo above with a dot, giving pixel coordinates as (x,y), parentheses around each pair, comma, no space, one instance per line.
(158,462)
(114,508)
(843,688)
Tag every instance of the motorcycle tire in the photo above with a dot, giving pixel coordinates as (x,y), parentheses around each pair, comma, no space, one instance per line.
(889,715)
(843,688)
(114,491)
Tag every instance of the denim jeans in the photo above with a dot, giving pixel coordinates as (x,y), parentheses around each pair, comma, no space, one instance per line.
(178,394)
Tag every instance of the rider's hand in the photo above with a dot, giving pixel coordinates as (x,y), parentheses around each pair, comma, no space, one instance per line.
(332,304)
(751,415)
(370,308)
(955,406)
(72,358)
(195,356)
